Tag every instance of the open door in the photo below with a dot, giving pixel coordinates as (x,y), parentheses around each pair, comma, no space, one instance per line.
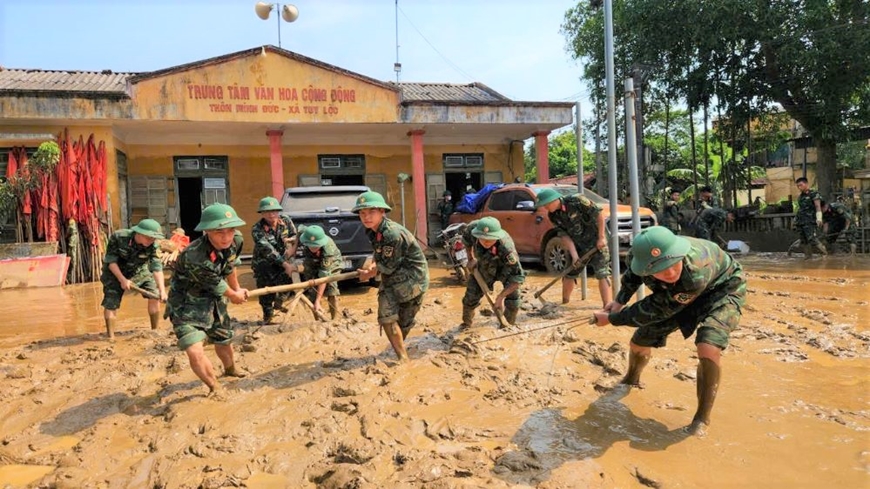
(435,186)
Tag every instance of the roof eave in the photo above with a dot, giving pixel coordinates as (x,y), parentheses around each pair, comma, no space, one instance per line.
(86,94)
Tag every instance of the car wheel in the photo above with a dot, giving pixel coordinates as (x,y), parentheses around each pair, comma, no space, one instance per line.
(556,257)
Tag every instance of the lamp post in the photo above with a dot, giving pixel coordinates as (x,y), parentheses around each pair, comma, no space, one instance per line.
(288,12)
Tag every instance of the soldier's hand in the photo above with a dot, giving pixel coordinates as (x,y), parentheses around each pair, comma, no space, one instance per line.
(613,306)
(163,296)
(576,264)
(239,296)
(601,243)
(126,284)
(366,273)
(602,318)
(288,268)
(472,264)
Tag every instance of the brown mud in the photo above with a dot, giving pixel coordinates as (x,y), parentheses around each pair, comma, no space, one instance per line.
(325,405)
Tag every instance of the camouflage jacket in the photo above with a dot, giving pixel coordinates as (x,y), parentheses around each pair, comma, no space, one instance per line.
(445,208)
(806,213)
(327,261)
(201,270)
(131,257)
(576,218)
(837,215)
(713,218)
(269,244)
(671,217)
(709,274)
(500,261)
(399,259)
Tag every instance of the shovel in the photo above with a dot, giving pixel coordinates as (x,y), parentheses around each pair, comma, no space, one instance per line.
(488,294)
(147,294)
(583,259)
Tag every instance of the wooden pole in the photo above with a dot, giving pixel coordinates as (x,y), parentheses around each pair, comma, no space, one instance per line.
(302,285)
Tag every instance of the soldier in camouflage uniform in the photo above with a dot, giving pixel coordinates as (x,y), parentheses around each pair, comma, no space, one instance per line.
(580,224)
(131,259)
(203,280)
(274,246)
(838,219)
(320,258)
(403,268)
(808,219)
(695,287)
(710,222)
(671,217)
(445,208)
(494,255)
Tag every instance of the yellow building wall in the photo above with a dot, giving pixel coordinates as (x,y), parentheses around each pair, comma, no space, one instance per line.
(249,173)
(269,88)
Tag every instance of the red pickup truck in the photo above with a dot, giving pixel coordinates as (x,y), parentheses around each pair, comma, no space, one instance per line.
(533,234)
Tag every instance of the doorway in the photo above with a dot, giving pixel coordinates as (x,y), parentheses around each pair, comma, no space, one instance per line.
(460,183)
(190,204)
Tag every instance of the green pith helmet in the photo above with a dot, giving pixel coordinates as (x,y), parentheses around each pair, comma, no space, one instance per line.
(488,228)
(269,204)
(656,249)
(370,200)
(150,228)
(546,196)
(447,193)
(219,216)
(314,237)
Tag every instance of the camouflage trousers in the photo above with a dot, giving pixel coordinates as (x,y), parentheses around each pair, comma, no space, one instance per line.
(850,235)
(714,316)
(195,318)
(473,292)
(391,310)
(113,293)
(809,233)
(271,277)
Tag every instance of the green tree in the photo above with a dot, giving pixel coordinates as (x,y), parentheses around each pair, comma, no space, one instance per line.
(810,57)
(562,155)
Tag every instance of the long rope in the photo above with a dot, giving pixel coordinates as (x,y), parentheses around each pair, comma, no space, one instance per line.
(570,321)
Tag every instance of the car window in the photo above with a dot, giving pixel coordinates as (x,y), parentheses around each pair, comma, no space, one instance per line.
(571,190)
(501,201)
(318,202)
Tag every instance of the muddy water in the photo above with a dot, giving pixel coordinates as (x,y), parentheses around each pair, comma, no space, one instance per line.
(326,406)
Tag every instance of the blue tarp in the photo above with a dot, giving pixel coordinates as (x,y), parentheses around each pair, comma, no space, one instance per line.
(471,203)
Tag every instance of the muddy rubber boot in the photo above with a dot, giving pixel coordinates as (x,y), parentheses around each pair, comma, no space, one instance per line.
(155,320)
(636,363)
(110,328)
(268,315)
(707,387)
(808,251)
(333,306)
(853,249)
(468,316)
(822,250)
(510,315)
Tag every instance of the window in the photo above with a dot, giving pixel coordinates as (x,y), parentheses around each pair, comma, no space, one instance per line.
(4,160)
(341,164)
(473,160)
(507,201)
(196,165)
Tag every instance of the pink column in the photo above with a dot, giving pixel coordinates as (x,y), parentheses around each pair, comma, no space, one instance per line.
(419,175)
(277,163)
(542,151)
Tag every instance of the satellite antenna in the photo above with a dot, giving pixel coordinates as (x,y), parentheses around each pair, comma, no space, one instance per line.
(288,12)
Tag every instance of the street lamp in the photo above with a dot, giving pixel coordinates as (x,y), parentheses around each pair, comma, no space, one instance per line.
(288,12)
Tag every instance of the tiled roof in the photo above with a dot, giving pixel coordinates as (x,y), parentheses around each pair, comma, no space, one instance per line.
(63,81)
(448,92)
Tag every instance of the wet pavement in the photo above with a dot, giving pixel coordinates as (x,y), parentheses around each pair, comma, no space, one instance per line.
(326,405)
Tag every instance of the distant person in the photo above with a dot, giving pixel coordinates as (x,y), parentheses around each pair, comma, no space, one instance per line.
(837,219)
(131,259)
(274,247)
(445,208)
(808,218)
(203,280)
(580,225)
(494,255)
(706,198)
(671,216)
(711,223)
(321,258)
(696,288)
(403,268)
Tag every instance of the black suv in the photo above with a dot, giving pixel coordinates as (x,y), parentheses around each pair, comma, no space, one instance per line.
(329,207)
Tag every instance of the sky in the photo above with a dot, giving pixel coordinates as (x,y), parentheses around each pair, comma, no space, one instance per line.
(514,47)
